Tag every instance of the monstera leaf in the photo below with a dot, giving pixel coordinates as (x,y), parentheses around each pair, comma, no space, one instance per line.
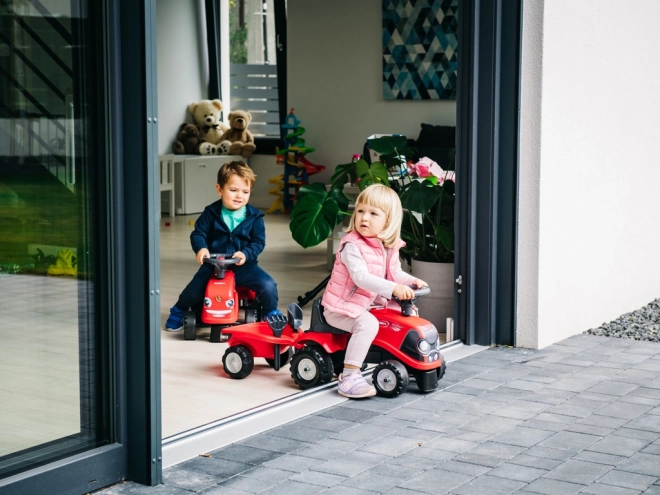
(420,196)
(316,213)
(343,174)
(376,173)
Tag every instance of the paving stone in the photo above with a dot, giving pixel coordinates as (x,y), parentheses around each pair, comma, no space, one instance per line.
(629,358)
(624,411)
(653,490)
(491,424)
(390,422)
(504,391)
(348,414)
(578,472)
(543,425)
(131,488)
(381,405)
(294,463)
(652,449)
(190,480)
(490,485)
(569,440)
(319,478)
(555,418)
(462,389)
(603,370)
(340,467)
(497,450)
(651,436)
(408,414)
(450,397)
(517,472)
(433,406)
(523,437)
(464,467)
(477,406)
(617,445)
(533,377)
(274,444)
(600,458)
(423,458)
(601,489)
(361,433)
(506,374)
(647,423)
(393,470)
(436,481)
(641,463)
(290,488)
(576,383)
(223,490)
(397,490)
(535,462)
(480,459)
(625,479)
(373,484)
(604,421)
(250,485)
(215,466)
(298,432)
(451,444)
(646,391)
(636,376)
(325,423)
(590,429)
(572,410)
(550,453)
(603,398)
(646,401)
(553,487)
(469,436)
(330,450)
(267,473)
(424,431)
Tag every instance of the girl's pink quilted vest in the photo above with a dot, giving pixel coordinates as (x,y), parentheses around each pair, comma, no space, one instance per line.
(341,295)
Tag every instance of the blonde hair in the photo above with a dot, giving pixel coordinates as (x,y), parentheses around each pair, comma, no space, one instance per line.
(386,199)
(236,168)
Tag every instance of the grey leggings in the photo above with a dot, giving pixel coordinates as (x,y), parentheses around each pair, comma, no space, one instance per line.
(363,329)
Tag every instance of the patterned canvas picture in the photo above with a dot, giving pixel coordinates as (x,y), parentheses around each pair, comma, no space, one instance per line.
(419,49)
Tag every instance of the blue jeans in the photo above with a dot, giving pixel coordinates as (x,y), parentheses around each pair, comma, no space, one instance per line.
(250,276)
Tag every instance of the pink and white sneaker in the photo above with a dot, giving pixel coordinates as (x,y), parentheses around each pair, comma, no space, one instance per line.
(354,386)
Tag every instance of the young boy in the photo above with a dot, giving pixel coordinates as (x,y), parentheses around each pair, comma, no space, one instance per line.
(228,226)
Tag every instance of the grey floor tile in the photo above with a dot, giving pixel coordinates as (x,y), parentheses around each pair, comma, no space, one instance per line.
(535,462)
(395,444)
(497,450)
(625,479)
(569,440)
(132,488)
(468,468)
(295,463)
(246,454)
(489,424)
(523,437)
(549,486)
(190,480)
(267,473)
(490,485)
(601,489)
(550,453)
(329,450)
(647,422)
(480,459)
(348,414)
(377,484)
(578,472)
(622,410)
(319,478)
(362,434)
(617,445)
(436,481)
(222,490)
(339,467)
(273,444)
(298,432)
(250,485)
(401,473)
(641,463)
(652,490)
(215,466)
(290,488)
(517,472)
(599,458)
(600,431)
(451,444)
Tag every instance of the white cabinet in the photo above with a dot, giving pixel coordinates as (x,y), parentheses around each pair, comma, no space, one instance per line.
(195,177)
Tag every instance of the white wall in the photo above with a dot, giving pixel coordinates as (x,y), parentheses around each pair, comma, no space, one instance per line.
(589,180)
(335,80)
(182,71)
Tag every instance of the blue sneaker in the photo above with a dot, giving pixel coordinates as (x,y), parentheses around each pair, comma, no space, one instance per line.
(274,312)
(175,321)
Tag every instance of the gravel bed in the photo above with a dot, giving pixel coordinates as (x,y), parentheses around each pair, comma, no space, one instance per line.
(642,324)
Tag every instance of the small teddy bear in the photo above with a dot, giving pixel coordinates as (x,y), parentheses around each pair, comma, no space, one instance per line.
(206,114)
(242,141)
(188,142)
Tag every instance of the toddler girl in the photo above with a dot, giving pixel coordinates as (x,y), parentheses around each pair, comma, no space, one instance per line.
(367,272)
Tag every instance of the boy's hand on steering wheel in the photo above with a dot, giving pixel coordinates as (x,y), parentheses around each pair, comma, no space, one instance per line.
(403,292)
(240,255)
(201,254)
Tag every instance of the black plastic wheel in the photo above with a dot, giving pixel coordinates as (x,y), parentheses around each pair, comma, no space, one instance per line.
(309,368)
(285,357)
(443,368)
(238,362)
(189,325)
(390,378)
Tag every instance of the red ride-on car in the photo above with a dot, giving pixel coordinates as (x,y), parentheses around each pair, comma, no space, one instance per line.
(271,339)
(405,345)
(222,301)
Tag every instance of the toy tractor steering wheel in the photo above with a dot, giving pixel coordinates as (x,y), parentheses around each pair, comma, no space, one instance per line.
(221,263)
(407,304)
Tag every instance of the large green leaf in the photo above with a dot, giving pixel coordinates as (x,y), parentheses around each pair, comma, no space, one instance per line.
(314,216)
(343,174)
(376,173)
(420,196)
(388,144)
(317,188)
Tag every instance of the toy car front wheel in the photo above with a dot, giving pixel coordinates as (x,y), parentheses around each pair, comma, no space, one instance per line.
(238,361)
(443,368)
(285,357)
(309,368)
(390,378)
(189,326)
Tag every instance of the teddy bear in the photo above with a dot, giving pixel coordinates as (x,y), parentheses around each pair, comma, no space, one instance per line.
(188,142)
(242,142)
(206,114)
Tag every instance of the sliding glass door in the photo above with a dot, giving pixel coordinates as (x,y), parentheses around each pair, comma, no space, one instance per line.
(55,337)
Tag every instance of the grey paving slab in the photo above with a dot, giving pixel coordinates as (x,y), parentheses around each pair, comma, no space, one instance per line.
(582,416)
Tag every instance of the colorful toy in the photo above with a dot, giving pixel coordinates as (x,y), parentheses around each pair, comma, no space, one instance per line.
(405,345)
(297,168)
(222,301)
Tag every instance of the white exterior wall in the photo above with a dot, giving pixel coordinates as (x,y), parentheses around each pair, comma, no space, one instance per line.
(589,222)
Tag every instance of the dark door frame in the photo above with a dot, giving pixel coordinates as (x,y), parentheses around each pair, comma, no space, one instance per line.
(487,169)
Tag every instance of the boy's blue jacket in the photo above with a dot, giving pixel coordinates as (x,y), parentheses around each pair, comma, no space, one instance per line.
(212,233)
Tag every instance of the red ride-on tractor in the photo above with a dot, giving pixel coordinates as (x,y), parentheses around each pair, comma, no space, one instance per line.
(271,339)
(222,301)
(405,345)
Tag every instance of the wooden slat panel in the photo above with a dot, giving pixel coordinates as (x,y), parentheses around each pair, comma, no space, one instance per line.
(252,69)
(253,82)
(271,94)
(255,105)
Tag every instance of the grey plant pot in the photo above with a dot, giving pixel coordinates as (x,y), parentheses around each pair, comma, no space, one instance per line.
(439,304)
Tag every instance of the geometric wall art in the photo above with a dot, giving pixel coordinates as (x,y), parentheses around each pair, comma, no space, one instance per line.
(419,49)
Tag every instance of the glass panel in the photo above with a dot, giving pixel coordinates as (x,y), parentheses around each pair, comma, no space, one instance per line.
(253,69)
(50,394)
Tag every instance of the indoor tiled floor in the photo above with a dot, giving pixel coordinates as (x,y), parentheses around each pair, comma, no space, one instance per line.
(195,389)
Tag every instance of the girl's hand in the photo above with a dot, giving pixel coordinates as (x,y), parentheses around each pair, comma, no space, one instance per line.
(201,254)
(419,283)
(403,292)
(240,255)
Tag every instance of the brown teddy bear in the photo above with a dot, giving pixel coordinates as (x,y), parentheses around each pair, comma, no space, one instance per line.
(188,142)
(206,114)
(242,142)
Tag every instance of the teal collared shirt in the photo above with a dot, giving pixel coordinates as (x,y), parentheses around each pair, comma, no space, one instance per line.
(233,218)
